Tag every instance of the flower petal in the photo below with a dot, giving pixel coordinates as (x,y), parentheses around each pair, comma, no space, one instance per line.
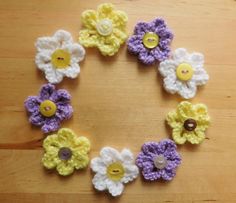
(151,175)
(187,90)
(146,58)
(99,182)
(80,160)
(173,120)
(98,166)
(66,137)
(37,119)
(105,11)
(119,19)
(141,28)
(167,67)
(77,52)
(51,124)
(64,111)
(43,59)
(50,158)
(127,156)
(82,145)
(53,76)
(131,172)
(180,54)
(89,19)
(195,137)
(114,188)
(200,77)
(63,37)
(197,58)
(32,104)
(110,155)
(88,38)
(62,96)
(65,168)
(71,72)
(46,91)
(178,136)
(46,44)
(167,174)
(185,110)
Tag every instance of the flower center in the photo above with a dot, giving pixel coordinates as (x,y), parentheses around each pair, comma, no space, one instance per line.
(47,108)
(190,124)
(65,153)
(104,27)
(60,58)
(184,71)
(150,40)
(160,161)
(115,171)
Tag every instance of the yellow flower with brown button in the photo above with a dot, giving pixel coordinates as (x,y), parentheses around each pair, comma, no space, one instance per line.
(188,122)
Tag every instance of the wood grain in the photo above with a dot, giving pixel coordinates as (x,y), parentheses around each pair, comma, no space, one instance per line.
(118,102)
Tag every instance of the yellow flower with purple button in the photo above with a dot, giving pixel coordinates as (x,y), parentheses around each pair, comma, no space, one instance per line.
(65,152)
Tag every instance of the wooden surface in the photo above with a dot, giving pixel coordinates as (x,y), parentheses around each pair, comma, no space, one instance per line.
(118,102)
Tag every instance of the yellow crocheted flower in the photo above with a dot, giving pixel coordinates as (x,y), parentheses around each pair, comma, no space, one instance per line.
(189,122)
(65,151)
(104,28)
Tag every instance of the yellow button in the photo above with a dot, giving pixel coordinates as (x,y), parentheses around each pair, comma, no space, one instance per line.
(150,40)
(115,171)
(47,108)
(184,71)
(60,58)
(104,27)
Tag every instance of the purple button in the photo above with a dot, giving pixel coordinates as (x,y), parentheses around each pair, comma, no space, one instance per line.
(65,153)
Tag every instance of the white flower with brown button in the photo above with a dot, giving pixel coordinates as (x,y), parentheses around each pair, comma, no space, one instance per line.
(113,169)
(58,56)
(183,73)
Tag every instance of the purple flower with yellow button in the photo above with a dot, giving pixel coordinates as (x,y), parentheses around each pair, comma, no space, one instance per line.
(151,41)
(158,160)
(49,108)
(183,72)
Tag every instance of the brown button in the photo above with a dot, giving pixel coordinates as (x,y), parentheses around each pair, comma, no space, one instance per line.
(65,153)
(190,124)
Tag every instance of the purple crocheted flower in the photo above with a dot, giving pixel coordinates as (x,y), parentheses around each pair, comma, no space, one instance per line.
(151,41)
(158,160)
(49,108)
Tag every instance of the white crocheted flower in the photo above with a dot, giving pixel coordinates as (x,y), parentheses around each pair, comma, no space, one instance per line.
(183,73)
(113,169)
(58,56)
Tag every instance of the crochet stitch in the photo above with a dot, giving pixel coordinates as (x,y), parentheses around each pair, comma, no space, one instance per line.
(158,160)
(104,29)
(58,56)
(189,122)
(65,152)
(49,108)
(183,73)
(113,169)
(151,41)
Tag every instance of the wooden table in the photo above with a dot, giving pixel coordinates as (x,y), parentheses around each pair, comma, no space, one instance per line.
(118,102)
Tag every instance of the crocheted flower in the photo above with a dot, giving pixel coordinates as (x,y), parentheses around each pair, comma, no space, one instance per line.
(65,152)
(158,160)
(49,108)
(104,29)
(151,41)
(189,122)
(183,73)
(113,169)
(58,56)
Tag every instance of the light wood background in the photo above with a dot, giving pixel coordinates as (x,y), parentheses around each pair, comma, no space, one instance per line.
(118,102)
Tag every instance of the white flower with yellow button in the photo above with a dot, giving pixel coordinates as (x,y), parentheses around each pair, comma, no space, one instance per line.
(58,56)
(183,73)
(113,169)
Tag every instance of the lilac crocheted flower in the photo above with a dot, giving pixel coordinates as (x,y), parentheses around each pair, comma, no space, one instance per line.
(151,41)
(49,108)
(158,160)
